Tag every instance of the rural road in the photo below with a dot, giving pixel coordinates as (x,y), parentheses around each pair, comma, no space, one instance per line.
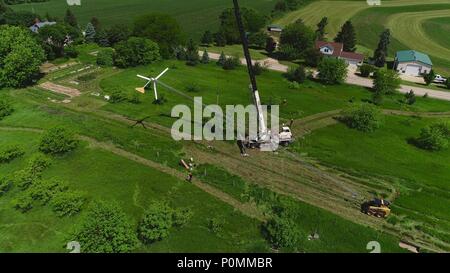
(352,78)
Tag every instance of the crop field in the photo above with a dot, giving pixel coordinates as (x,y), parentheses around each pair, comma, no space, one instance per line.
(423,195)
(195,16)
(407,20)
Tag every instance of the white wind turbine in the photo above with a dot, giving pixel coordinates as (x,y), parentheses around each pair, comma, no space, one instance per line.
(151,80)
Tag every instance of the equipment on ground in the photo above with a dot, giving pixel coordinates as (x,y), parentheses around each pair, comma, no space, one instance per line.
(377,207)
(153,81)
(264,137)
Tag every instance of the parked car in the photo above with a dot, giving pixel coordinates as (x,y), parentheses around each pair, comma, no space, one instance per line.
(440,79)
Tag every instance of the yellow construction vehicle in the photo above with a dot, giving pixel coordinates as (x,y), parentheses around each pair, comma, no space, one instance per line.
(377,207)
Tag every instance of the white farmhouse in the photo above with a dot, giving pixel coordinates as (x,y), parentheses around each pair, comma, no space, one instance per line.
(412,63)
(336,50)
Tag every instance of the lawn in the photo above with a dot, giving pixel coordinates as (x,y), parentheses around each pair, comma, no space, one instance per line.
(434,29)
(424,194)
(195,16)
(230,88)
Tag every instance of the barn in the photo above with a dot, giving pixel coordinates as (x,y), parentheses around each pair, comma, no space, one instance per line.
(412,63)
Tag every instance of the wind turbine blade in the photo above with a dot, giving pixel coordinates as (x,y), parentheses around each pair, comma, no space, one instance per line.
(145,78)
(156,91)
(160,75)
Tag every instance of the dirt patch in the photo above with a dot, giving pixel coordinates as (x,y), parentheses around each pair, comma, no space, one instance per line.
(68,91)
(49,67)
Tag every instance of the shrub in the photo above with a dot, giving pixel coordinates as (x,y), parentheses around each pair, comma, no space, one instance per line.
(434,137)
(448,83)
(44,190)
(215,225)
(105,57)
(192,87)
(5,185)
(6,109)
(58,140)
(25,178)
(332,71)
(258,68)
(70,51)
(222,59)
(231,63)
(10,153)
(429,78)
(67,203)
(134,98)
(117,96)
(366,70)
(297,74)
(282,232)
(181,217)
(156,223)
(410,98)
(363,117)
(313,57)
(106,229)
(23,203)
(38,163)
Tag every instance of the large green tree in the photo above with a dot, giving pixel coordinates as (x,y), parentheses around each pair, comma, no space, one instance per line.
(70,18)
(321,28)
(252,20)
(136,51)
(56,37)
(295,39)
(20,56)
(381,52)
(347,36)
(386,81)
(162,29)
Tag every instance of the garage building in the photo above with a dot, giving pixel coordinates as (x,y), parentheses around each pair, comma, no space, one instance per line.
(412,63)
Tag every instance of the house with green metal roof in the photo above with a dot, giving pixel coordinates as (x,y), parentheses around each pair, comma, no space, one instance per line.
(412,63)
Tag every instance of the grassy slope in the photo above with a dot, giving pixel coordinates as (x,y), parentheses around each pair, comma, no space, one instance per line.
(103,178)
(102,175)
(436,27)
(423,194)
(311,98)
(195,16)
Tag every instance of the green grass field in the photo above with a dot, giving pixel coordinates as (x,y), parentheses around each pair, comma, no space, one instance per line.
(423,196)
(104,176)
(229,88)
(434,28)
(195,16)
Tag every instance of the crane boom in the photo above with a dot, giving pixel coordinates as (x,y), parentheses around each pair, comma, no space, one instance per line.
(262,128)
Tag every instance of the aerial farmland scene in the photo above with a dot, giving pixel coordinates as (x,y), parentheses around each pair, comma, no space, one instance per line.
(224,126)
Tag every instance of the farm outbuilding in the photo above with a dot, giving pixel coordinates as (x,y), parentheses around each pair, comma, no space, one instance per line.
(412,63)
